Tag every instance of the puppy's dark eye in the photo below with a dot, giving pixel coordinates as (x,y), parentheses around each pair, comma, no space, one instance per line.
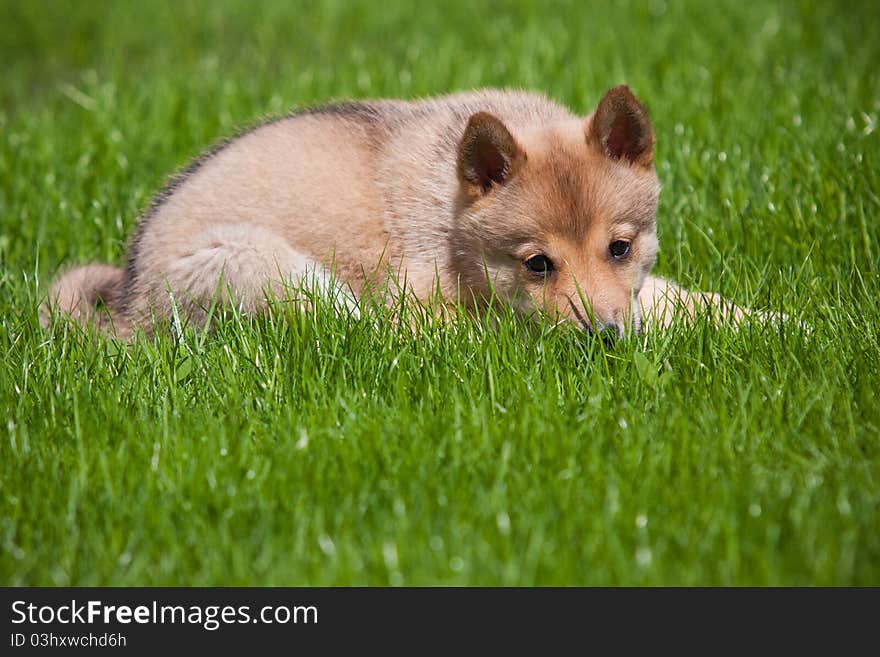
(619,249)
(539,264)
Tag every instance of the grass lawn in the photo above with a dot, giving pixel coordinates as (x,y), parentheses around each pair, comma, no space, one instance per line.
(314,449)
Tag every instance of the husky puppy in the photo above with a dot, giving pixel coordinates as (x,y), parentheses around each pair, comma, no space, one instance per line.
(466,194)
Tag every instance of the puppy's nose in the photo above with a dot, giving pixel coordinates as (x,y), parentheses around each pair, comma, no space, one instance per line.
(617,329)
(609,333)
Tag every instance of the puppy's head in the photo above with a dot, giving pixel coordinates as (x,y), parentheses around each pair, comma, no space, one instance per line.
(561,218)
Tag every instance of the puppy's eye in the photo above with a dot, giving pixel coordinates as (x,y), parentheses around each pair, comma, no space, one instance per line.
(619,249)
(539,264)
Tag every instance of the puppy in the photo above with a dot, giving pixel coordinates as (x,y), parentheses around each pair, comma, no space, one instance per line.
(471,195)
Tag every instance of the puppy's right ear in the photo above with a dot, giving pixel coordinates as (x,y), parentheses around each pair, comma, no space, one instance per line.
(620,128)
(488,154)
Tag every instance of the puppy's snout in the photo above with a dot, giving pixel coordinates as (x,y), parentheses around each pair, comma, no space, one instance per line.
(608,331)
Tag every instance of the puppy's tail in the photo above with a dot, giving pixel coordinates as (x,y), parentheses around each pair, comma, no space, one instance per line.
(90,295)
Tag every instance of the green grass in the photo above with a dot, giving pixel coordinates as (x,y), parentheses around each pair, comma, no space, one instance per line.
(314,449)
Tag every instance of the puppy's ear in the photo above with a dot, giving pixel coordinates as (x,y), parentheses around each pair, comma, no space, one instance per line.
(487,154)
(620,128)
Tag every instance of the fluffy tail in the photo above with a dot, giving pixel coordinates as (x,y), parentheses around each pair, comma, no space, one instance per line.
(90,295)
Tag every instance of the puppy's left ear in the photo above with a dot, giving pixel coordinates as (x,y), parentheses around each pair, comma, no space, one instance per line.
(620,128)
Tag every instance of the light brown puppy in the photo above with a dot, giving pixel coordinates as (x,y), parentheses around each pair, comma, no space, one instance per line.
(463,194)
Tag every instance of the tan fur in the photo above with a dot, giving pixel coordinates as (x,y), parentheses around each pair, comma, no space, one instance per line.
(454,193)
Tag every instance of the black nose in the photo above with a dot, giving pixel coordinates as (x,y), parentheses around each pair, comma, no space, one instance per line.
(608,333)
